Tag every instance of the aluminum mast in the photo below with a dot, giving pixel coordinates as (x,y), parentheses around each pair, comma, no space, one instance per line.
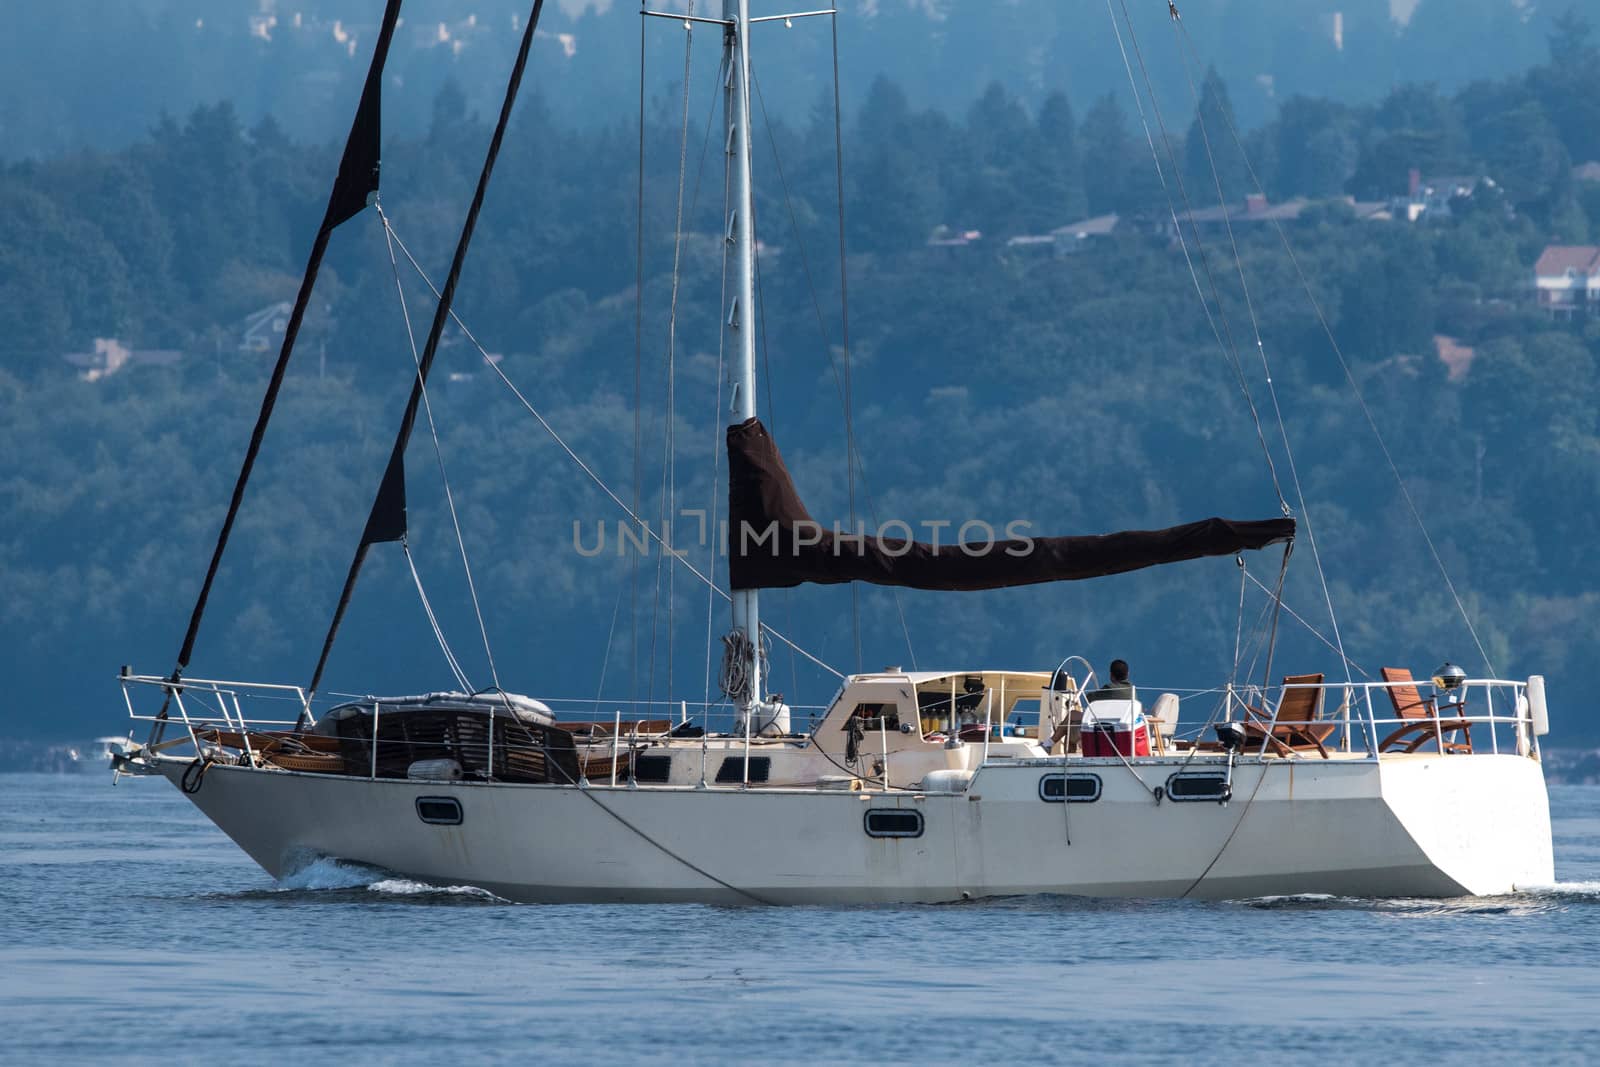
(741,322)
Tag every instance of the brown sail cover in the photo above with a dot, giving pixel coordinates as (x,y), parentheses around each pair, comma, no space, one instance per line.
(774,543)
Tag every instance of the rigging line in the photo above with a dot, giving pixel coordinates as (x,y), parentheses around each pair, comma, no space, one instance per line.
(605,660)
(388,507)
(1250,800)
(589,471)
(669,853)
(694,202)
(1223,707)
(1258,641)
(1314,631)
(838,382)
(1230,348)
(705,140)
(1277,607)
(844,326)
(1344,365)
(438,631)
(438,452)
(717,419)
(668,466)
(1261,349)
(638,386)
(584,789)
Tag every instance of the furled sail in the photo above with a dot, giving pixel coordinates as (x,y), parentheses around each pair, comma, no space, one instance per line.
(773,542)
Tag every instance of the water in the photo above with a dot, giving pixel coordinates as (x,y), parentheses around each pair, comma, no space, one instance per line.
(129,926)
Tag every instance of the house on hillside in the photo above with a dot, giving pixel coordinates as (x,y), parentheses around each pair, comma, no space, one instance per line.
(1065,240)
(1429,199)
(1257,210)
(1566,280)
(1076,236)
(262,330)
(949,237)
(110,355)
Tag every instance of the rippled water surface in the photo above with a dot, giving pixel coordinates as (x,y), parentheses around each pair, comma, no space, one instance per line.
(131,928)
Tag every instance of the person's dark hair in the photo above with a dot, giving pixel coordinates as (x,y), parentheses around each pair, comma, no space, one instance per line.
(1119,670)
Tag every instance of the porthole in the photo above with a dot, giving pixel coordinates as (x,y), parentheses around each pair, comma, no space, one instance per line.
(732,769)
(439,811)
(893,822)
(1078,788)
(1197,787)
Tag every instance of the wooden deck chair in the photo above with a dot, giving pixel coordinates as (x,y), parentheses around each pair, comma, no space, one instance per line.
(1429,724)
(1296,726)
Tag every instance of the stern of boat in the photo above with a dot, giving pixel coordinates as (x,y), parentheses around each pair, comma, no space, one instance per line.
(1482,820)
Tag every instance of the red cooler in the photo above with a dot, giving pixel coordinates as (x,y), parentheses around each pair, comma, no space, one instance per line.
(1115,727)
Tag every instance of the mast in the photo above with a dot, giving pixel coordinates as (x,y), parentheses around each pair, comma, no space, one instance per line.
(741,323)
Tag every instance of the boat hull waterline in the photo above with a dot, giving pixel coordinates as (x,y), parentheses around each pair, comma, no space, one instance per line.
(1413,826)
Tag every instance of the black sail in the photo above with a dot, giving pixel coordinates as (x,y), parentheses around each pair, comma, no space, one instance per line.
(775,543)
(387,520)
(356,182)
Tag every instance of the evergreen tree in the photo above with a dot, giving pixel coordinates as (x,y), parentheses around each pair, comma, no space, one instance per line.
(1214,125)
(1058,168)
(1106,151)
(1522,152)
(895,194)
(1316,149)
(1415,128)
(1566,86)
(1001,146)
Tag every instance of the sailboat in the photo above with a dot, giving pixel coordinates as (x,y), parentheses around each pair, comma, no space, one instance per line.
(911,786)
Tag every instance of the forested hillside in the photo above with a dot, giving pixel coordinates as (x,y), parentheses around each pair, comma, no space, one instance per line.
(1073,384)
(77,73)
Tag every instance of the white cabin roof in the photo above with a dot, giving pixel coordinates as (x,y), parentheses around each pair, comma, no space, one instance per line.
(923,677)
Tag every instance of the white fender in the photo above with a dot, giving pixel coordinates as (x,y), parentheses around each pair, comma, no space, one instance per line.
(1536,703)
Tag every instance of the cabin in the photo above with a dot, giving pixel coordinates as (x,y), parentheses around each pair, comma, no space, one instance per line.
(110,355)
(890,729)
(897,726)
(1566,280)
(1074,237)
(262,330)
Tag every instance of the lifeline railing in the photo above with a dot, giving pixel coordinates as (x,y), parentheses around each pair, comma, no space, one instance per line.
(206,708)
(1443,713)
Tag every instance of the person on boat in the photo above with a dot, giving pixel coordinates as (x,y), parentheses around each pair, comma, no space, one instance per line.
(1119,688)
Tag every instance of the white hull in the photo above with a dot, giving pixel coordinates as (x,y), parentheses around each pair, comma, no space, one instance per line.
(1420,825)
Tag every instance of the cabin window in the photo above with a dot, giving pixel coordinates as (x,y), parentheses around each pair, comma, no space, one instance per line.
(732,769)
(1197,787)
(875,717)
(439,811)
(652,768)
(1078,788)
(943,708)
(893,822)
(1027,707)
